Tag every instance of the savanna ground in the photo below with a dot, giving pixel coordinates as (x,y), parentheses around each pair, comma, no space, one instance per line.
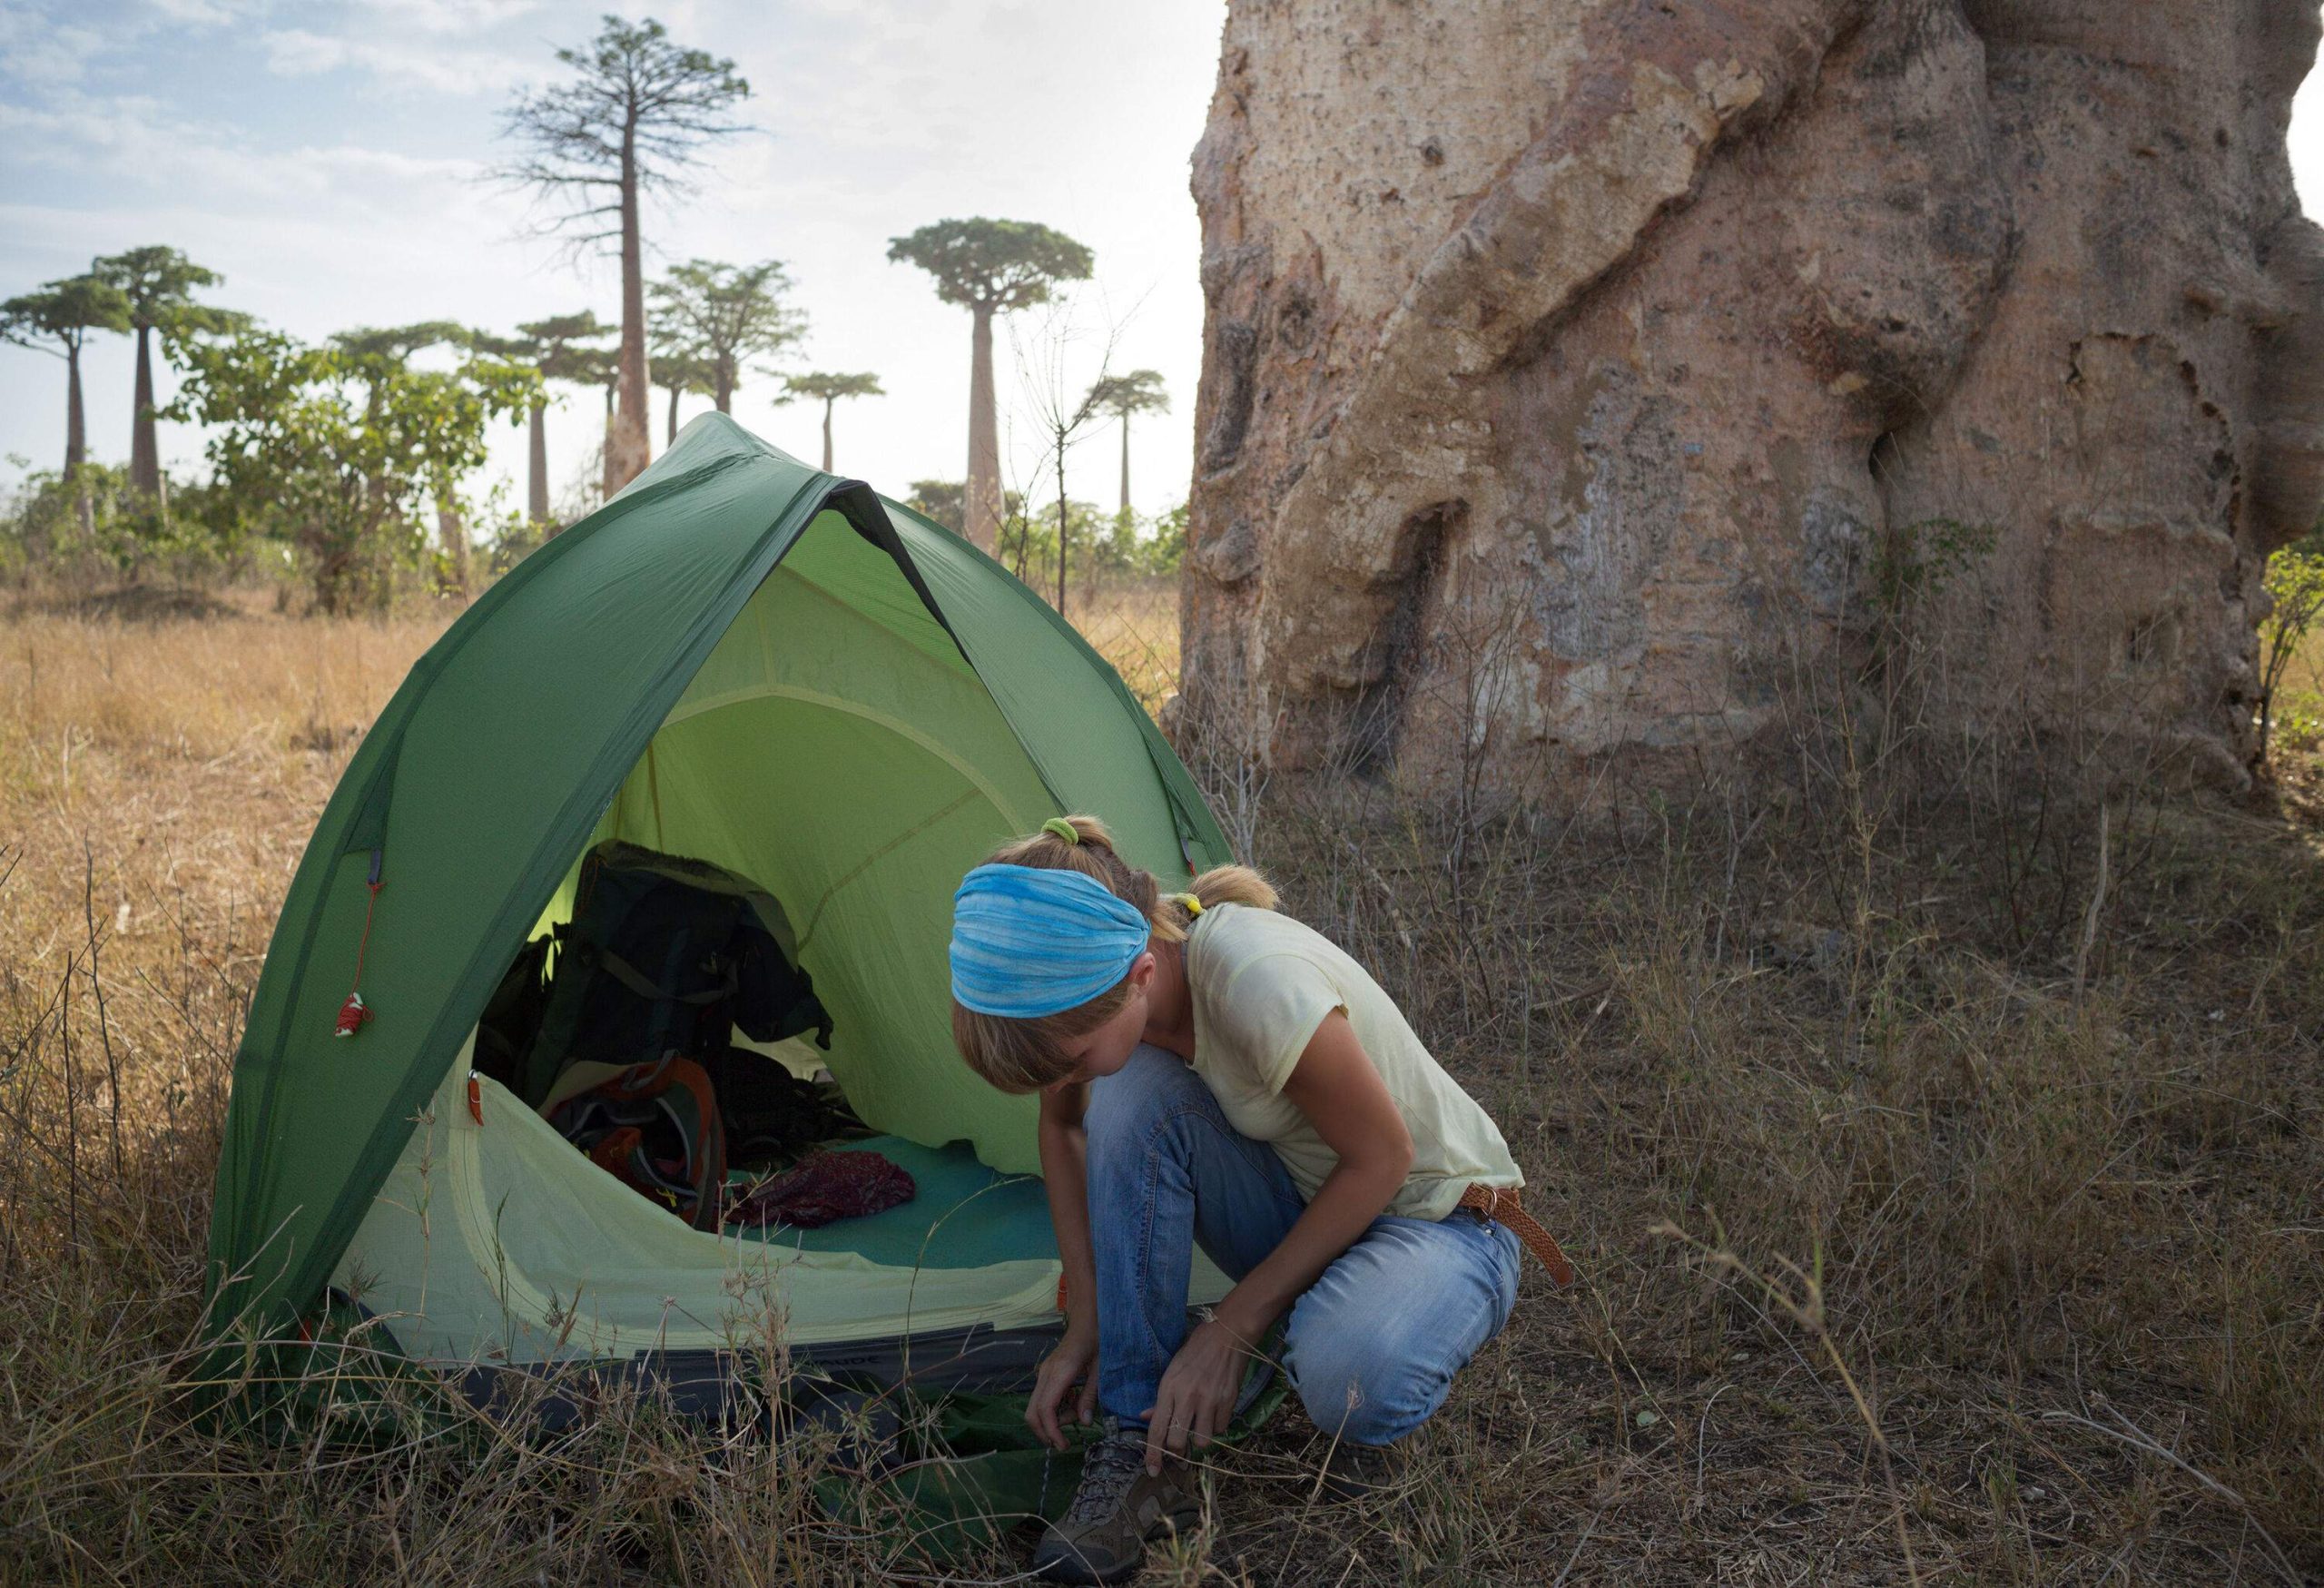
(1943,1176)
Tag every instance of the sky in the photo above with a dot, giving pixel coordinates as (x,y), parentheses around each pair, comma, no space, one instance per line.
(330,158)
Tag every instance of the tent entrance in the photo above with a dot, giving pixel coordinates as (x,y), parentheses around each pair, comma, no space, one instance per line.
(835,749)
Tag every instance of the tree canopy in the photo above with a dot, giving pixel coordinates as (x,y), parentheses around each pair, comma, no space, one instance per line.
(337,451)
(633,114)
(158,284)
(727,315)
(818,387)
(63,313)
(563,348)
(1139,391)
(994,266)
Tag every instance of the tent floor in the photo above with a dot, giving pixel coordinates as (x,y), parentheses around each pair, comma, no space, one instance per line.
(962,1215)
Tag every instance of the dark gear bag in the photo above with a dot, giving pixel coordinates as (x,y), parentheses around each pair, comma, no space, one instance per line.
(655,1128)
(665,955)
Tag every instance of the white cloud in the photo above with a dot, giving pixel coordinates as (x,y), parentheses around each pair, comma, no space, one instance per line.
(298,52)
(448,17)
(37,50)
(201,12)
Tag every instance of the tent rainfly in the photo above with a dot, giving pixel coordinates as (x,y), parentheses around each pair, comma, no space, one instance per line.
(747,662)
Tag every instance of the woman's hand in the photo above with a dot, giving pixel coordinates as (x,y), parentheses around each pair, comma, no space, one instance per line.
(1074,1361)
(1196,1397)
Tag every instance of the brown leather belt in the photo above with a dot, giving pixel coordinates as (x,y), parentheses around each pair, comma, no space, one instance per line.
(1501,1204)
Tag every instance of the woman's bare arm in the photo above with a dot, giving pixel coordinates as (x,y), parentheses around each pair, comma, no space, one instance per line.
(1336,1086)
(1064,1149)
(1065,1174)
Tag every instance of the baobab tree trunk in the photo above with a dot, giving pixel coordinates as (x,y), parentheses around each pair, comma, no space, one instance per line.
(144,454)
(983,505)
(829,402)
(1560,424)
(76,442)
(537,467)
(631,447)
(76,425)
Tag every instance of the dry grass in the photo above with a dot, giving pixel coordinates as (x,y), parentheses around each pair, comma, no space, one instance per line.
(1919,1246)
(1135,626)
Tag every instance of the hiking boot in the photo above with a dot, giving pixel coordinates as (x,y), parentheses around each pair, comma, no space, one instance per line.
(1358,1472)
(1116,1510)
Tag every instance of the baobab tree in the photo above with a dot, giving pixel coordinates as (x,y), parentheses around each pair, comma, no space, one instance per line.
(1139,391)
(64,312)
(550,346)
(158,284)
(681,371)
(988,267)
(828,389)
(635,116)
(727,315)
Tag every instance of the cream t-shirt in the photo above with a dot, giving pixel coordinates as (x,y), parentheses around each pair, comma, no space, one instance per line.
(1260,983)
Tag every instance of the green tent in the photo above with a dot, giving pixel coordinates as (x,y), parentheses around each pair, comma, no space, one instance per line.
(746,662)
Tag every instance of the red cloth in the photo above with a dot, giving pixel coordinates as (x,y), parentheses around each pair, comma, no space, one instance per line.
(823,1186)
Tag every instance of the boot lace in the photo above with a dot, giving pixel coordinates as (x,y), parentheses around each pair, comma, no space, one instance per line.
(1107,1470)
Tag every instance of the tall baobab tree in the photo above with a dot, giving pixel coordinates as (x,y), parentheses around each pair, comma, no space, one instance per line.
(65,312)
(988,267)
(680,371)
(1139,391)
(634,115)
(158,283)
(829,389)
(548,346)
(727,315)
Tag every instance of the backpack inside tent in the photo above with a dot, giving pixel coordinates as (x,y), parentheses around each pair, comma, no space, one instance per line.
(741,666)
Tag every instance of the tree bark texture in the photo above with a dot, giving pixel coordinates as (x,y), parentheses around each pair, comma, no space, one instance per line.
(537,467)
(982,513)
(76,441)
(1580,374)
(672,434)
(632,444)
(144,452)
(76,424)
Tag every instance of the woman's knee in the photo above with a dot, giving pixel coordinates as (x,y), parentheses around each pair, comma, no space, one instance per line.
(1363,1387)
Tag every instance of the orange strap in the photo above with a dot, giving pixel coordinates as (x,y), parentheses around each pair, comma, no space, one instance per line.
(1501,1204)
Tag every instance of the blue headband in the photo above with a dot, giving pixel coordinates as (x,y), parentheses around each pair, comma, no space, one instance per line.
(1031,940)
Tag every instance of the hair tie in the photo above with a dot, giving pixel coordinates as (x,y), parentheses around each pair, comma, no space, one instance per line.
(1193,905)
(1063,829)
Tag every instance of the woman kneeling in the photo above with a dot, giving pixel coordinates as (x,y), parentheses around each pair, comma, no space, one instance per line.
(1212,1072)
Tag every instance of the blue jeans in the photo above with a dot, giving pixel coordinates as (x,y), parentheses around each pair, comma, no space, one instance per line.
(1370,1347)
